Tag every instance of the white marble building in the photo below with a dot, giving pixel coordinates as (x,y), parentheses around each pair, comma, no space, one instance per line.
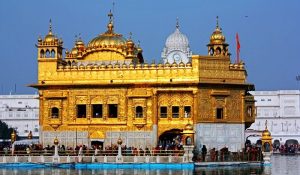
(282,111)
(21,112)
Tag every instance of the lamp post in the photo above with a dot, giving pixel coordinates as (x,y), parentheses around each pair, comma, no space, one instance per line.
(119,158)
(13,139)
(56,142)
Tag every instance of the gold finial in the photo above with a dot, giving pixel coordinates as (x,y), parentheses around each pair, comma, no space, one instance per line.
(177,23)
(50,26)
(130,35)
(110,26)
(217,22)
(110,15)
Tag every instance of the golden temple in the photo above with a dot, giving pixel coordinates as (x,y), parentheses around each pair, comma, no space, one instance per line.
(105,90)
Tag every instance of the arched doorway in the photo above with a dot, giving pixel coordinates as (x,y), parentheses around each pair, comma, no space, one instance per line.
(170,138)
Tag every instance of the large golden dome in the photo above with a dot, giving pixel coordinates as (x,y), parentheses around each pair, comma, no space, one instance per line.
(104,40)
(108,39)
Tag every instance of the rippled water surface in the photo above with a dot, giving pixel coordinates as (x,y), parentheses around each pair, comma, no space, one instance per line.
(281,165)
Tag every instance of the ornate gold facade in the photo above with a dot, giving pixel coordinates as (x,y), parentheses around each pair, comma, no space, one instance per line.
(131,96)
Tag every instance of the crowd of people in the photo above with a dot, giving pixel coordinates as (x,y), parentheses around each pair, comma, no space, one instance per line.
(250,153)
(97,150)
(287,149)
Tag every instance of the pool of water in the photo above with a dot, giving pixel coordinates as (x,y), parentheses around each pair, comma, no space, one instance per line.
(281,165)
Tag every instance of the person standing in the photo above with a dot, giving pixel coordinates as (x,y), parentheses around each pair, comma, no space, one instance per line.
(203,153)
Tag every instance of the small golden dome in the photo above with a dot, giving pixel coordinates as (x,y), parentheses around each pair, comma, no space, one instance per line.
(189,64)
(174,64)
(50,37)
(56,141)
(79,42)
(81,66)
(131,65)
(181,64)
(109,65)
(217,36)
(188,127)
(145,65)
(117,65)
(140,50)
(266,133)
(74,51)
(167,64)
(103,65)
(124,65)
(153,65)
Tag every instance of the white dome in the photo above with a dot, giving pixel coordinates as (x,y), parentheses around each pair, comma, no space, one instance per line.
(177,41)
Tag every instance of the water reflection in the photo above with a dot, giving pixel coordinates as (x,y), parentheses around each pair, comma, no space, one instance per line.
(58,171)
(256,170)
(281,165)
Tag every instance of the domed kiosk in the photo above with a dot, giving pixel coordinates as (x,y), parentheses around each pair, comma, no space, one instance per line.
(177,48)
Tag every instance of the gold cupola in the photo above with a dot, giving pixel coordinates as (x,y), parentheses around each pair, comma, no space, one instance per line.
(217,45)
(266,139)
(217,36)
(50,37)
(50,46)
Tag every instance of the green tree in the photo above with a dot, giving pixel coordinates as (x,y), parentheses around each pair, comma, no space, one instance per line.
(5,131)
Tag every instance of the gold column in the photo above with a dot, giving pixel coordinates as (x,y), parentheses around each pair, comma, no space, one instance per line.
(195,106)
(154,108)
(242,118)
(195,114)
(155,118)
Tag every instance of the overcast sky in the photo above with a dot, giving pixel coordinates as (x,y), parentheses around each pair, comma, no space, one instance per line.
(268,30)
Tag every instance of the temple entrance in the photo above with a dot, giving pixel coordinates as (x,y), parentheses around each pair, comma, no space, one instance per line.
(171,138)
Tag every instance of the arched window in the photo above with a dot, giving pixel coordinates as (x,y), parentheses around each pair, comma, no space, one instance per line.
(42,53)
(52,54)
(54,112)
(211,51)
(218,51)
(47,54)
(139,112)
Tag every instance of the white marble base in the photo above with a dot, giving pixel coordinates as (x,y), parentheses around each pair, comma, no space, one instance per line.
(267,157)
(219,135)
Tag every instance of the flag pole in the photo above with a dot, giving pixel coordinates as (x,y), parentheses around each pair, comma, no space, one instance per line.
(238,46)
